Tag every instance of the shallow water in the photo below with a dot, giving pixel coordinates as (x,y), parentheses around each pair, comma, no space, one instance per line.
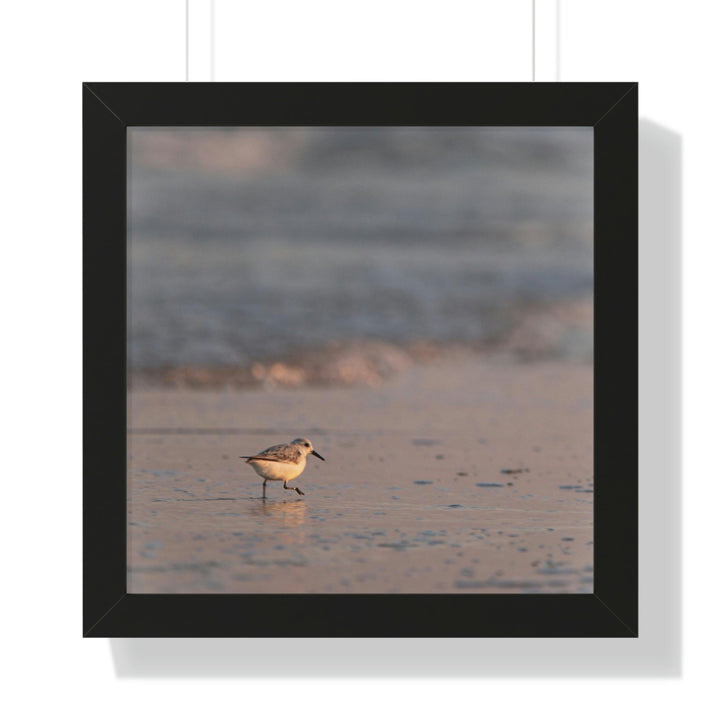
(450,534)
(414,495)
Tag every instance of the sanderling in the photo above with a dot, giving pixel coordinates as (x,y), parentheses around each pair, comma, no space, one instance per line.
(282,462)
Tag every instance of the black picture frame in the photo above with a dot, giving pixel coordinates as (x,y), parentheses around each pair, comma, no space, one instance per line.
(109,109)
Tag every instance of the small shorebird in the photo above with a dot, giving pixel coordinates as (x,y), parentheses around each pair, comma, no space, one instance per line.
(282,462)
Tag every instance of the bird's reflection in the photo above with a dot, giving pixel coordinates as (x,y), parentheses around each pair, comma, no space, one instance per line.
(289,513)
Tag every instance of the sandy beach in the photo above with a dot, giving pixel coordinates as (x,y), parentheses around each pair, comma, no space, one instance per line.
(462,475)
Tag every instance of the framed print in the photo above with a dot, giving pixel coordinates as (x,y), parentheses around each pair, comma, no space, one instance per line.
(360,360)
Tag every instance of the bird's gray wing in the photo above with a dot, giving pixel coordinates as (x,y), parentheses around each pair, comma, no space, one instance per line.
(279,453)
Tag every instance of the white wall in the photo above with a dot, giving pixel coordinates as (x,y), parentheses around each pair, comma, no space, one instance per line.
(47,50)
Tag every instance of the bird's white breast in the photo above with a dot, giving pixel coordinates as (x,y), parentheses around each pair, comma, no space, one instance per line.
(278,470)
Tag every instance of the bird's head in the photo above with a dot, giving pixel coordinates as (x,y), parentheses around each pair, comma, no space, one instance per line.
(306,447)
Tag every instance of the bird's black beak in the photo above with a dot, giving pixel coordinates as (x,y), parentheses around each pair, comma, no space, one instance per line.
(317,455)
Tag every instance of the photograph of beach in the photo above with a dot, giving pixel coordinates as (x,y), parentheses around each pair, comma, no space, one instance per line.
(360,360)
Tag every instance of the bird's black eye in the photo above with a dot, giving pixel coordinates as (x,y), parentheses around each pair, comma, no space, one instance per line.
(307,444)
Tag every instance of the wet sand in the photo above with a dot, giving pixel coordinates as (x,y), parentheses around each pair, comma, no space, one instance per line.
(460,476)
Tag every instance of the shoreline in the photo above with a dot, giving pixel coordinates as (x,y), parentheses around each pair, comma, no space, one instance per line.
(558,332)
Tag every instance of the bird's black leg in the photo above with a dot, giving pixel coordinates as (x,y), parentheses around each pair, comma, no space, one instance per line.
(264,483)
(296,489)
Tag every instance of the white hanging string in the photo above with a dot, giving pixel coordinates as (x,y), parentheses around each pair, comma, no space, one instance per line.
(533,40)
(557,40)
(200,40)
(212,40)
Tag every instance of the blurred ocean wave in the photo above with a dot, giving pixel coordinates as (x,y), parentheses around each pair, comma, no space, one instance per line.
(249,247)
